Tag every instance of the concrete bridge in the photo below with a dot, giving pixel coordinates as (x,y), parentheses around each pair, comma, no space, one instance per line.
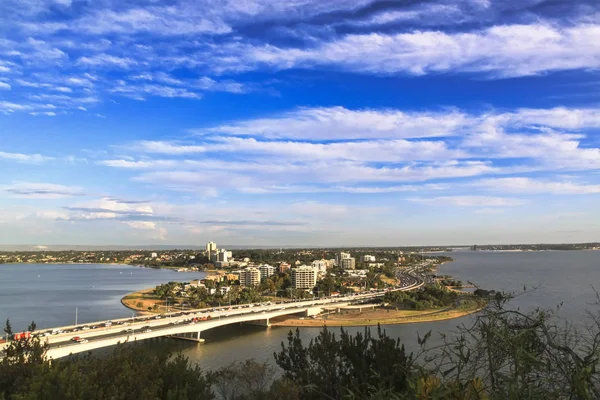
(190,324)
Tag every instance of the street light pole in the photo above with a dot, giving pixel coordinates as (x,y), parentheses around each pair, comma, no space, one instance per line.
(76,311)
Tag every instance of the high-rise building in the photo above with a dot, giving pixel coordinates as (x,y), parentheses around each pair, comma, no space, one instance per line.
(368,258)
(250,277)
(341,256)
(348,263)
(266,271)
(210,247)
(222,256)
(304,277)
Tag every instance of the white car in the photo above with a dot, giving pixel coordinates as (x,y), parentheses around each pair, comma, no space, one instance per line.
(82,341)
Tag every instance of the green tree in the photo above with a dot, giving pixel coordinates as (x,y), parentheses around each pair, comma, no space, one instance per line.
(332,368)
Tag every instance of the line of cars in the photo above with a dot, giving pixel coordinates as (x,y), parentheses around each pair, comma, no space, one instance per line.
(198,316)
(80,328)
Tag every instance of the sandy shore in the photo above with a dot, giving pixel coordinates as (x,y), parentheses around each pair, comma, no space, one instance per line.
(140,301)
(381,316)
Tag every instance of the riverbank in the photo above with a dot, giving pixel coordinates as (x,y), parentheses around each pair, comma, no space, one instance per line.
(384,316)
(144,302)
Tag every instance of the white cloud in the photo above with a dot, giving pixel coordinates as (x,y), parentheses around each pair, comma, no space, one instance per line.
(141,225)
(46,113)
(381,151)
(163,147)
(133,164)
(4,86)
(500,51)
(34,190)
(470,201)
(6,106)
(341,123)
(169,21)
(162,77)
(24,158)
(107,60)
(206,83)
(390,150)
(532,186)
(139,91)
(429,14)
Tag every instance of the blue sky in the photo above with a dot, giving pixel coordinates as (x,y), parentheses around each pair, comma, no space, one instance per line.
(299,122)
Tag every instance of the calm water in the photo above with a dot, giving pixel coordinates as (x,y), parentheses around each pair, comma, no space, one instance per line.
(49,293)
(567,277)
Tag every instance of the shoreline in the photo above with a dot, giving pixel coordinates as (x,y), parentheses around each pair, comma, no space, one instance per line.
(131,300)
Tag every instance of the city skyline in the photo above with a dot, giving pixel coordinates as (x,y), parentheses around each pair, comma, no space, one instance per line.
(347,123)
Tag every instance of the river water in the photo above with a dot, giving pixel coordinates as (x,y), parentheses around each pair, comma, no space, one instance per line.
(566,277)
(49,293)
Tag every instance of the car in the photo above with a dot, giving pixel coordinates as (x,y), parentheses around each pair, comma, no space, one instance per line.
(75,338)
(147,330)
(95,327)
(82,341)
(264,312)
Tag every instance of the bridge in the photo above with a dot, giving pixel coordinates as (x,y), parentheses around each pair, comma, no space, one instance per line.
(190,324)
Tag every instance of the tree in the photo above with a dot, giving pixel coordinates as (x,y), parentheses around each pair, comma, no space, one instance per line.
(8,328)
(331,367)
(129,372)
(327,285)
(247,379)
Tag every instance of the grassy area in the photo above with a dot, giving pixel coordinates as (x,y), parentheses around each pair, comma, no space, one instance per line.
(142,300)
(386,316)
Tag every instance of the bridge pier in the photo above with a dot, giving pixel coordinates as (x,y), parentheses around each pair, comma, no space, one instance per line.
(259,322)
(192,336)
(313,311)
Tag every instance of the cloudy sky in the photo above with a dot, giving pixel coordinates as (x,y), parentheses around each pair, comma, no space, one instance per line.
(305,122)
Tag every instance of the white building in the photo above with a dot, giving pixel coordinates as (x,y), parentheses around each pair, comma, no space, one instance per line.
(250,277)
(348,263)
(222,256)
(210,247)
(266,271)
(304,277)
(376,265)
(340,257)
(320,265)
(154,255)
(368,258)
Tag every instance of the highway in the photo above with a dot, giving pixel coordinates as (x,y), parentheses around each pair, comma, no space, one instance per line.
(197,320)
